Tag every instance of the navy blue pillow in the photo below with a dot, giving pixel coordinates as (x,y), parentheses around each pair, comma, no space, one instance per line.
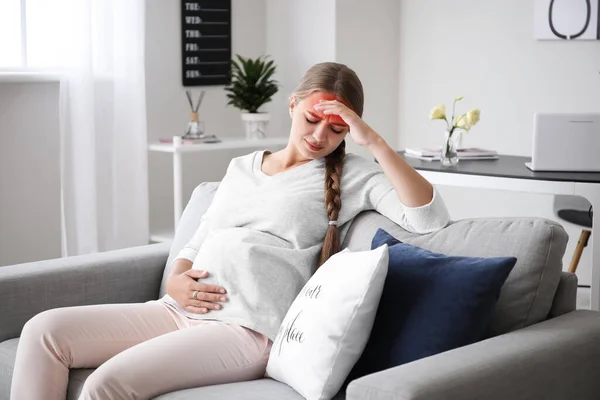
(430,303)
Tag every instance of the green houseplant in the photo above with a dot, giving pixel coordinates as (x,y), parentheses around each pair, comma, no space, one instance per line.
(252,86)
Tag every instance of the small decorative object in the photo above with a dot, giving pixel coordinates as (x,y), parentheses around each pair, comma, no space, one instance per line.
(464,122)
(251,87)
(194,131)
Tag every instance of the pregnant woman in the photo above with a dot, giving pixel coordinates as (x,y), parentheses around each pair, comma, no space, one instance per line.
(275,218)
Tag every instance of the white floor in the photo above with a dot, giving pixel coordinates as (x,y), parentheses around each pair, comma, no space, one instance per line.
(583,298)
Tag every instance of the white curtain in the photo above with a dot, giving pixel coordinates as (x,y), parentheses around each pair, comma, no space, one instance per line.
(104,185)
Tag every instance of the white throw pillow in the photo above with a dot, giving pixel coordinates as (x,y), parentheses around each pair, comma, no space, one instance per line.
(328,325)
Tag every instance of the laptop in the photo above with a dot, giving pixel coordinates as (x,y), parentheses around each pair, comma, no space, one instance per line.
(566,142)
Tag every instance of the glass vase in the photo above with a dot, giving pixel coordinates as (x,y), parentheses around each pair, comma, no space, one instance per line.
(194,128)
(449,156)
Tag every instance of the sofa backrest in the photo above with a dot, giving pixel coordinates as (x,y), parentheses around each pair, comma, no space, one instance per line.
(537,243)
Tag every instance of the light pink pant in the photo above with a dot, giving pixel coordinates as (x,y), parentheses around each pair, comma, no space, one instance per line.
(141,350)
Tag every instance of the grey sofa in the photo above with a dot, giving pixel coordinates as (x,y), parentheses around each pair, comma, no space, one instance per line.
(539,347)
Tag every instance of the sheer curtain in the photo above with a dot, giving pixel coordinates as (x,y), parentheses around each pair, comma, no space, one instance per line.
(104,185)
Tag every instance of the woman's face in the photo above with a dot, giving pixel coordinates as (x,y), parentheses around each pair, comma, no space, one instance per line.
(312,128)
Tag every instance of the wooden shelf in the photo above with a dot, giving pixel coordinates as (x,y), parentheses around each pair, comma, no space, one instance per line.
(223,145)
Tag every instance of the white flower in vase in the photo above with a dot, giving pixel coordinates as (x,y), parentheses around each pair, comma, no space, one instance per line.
(454,127)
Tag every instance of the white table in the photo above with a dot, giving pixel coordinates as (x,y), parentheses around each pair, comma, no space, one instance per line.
(510,173)
(178,149)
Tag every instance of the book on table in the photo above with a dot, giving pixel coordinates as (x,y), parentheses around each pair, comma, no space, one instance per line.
(462,152)
(460,157)
(467,153)
(206,139)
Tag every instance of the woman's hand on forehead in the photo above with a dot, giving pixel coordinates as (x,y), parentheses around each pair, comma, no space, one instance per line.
(319,98)
(360,132)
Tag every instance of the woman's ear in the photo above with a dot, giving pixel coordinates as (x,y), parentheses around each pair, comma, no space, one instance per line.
(292,105)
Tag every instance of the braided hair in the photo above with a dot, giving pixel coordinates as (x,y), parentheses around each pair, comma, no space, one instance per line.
(343,82)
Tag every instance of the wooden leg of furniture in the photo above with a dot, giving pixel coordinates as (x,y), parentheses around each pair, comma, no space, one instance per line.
(583,241)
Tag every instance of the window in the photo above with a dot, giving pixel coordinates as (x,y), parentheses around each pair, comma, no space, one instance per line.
(32,34)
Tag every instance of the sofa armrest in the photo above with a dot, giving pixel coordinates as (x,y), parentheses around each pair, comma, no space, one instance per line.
(120,276)
(553,360)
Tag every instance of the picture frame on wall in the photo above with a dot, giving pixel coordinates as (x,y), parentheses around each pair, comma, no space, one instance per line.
(205,42)
(567,19)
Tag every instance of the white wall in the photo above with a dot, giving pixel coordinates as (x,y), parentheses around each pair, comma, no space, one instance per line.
(29,172)
(367,41)
(486,51)
(298,35)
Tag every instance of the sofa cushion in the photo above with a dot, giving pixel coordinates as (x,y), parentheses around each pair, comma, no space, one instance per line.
(188,224)
(8,350)
(328,325)
(261,389)
(430,303)
(538,244)
(77,378)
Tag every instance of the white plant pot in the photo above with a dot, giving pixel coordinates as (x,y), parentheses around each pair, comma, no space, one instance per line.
(255,124)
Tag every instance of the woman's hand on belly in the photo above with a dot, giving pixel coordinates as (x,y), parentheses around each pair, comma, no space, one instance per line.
(181,287)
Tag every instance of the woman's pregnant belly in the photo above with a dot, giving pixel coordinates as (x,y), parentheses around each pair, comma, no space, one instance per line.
(261,272)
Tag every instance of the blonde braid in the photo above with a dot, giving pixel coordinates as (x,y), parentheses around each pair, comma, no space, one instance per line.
(334,165)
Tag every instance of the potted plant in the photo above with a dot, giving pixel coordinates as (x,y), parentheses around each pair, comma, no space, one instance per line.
(251,87)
